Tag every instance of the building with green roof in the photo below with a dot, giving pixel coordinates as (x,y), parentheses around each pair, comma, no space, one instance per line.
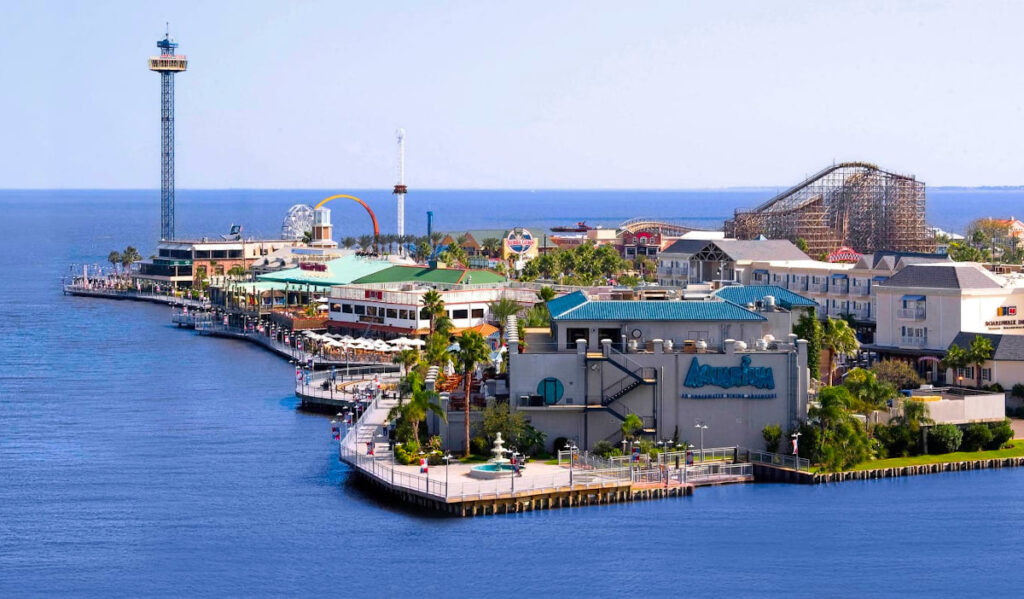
(341,271)
(427,275)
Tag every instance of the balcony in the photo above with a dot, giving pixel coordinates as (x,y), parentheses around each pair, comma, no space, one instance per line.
(912,313)
(839,289)
(817,287)
(862,290)
(913,341)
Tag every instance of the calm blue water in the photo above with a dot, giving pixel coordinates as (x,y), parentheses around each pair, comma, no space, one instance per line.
(137,459)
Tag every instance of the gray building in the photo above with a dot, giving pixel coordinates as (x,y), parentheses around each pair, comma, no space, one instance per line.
(672,363)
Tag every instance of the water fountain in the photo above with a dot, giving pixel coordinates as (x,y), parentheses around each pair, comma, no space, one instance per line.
(497,466)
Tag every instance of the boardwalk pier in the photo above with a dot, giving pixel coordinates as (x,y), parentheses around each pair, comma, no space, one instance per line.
(585,480)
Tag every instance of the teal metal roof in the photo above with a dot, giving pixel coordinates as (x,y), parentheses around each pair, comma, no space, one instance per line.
(657,310)
(563,304)
(341,271)
(748,294)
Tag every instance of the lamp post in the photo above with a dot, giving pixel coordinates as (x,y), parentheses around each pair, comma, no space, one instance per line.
(447,460)
(796,449)
(571,446)
(701,427)
(513,477)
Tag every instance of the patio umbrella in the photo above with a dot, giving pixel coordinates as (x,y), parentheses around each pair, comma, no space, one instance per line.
(417,342)
(401,341)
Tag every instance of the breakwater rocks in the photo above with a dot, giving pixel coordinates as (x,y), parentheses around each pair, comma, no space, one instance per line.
(770,474)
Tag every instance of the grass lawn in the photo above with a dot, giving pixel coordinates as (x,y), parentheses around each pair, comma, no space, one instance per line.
(1016,449)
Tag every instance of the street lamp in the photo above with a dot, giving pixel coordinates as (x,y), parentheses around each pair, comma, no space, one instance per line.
(447,460)
(571,446)
(701,427)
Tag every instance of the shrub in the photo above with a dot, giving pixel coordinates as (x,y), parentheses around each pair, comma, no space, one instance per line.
(479,446)
(944,438)
(772,434)
(1001,433)
(996,388)
(1018,390)
(976,436)
(559,444)
(603,449)
(901,374)
(899,441)
(407,453)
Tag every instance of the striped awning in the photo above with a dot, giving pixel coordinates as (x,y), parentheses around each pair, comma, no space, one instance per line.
(913,298)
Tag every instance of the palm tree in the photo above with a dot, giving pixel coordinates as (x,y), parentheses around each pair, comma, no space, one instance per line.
(545,294)
(501,310)
(436,237)
(348,242)
(114,258)
(631,427)
(472,350)
(491,245)
(407,358)
(129,257)
(422,401)
(434,306)
(365,242)
(956,359)
(838,338)
(978,353)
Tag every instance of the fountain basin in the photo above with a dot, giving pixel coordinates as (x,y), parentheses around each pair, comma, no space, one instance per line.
(489,471)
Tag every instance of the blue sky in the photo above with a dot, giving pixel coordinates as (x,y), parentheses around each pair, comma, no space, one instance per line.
(551,94)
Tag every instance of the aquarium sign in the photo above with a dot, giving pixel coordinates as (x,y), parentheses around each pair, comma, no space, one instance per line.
(726,377)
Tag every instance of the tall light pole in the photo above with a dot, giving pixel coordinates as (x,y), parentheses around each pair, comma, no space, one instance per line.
(571,446)
(447,460)
(701,427)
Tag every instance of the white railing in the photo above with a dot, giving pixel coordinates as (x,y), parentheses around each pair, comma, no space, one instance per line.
(913,341)
(780,460)
(912,313)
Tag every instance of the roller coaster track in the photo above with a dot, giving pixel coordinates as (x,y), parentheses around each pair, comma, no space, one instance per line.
(635,225)
(782,197)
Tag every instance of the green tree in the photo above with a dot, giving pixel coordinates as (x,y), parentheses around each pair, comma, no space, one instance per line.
(472,351)
(809,328)
(348,242)
(801,244)
(501,310)
(436,349)
(492,246)
(129,257)
(838,338)
(420,403)
(498,418)
(433,305)
(365,243)
(869,393)
(956,358)
(407,358)
(844,441)
(114,258)
(631,427)
(772,435)
(978,353)
(961,252)
(900,374)
(944,438)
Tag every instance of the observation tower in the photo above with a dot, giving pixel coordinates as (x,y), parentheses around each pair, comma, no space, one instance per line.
(167,64)
(400,187)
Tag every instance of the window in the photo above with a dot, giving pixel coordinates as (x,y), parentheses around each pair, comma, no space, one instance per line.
(969,372)
(335,307)
(456,314)
(372,310)
(346,308)
(392,313)
(424,315)
(403,315)
(986,374)
(360,309)
(478,312)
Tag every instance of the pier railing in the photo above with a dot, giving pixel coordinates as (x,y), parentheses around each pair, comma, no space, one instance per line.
(779,460)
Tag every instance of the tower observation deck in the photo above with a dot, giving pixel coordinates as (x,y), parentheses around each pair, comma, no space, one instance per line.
(167,64)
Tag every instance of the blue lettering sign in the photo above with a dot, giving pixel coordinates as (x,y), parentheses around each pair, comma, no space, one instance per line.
(726,377)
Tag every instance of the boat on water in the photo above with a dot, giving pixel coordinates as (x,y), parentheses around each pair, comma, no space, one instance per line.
(581,227)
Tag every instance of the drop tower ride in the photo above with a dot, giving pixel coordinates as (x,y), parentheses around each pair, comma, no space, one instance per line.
(167,64)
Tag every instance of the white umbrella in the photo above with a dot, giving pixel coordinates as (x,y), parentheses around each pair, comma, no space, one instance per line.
(417,342)
(322,300)
(401,341)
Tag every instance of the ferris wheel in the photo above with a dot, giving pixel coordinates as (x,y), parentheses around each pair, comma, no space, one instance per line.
(298,220)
